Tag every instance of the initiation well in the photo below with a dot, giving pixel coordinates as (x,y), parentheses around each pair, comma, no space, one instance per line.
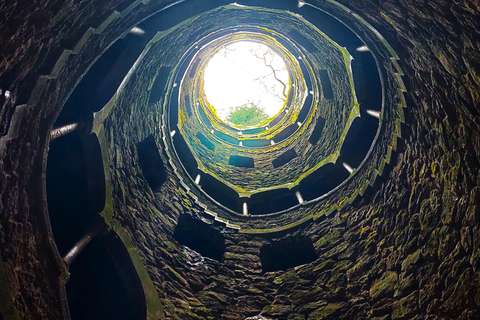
(380,224)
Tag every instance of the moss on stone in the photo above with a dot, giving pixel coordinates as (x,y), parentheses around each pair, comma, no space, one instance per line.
(384,286)
(326,311)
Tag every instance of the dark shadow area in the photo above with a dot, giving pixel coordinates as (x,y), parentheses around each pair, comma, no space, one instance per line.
(207,143)
(256,143)
(166,19)
(333,28)
(302,41)
(242,162)
(254,130)
(285,133)
(317,132)
(101,288)
(102,80)
(226,137)
(200,237)
(158,88)
(277,119)
(75,187)
(326,84)
(173,107)
(307,106)
(290,5)
(359,140)
(95,172)
(204,118)
(359,81)
(306,75)
(287,253)
(221,193)
(323,180)
(284,158)
(151,163)
(127,272)
(196,63)
(188,106)
(271,201)
(184,154)
(368,86)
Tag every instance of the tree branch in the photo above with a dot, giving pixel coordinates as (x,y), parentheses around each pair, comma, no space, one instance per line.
(274,71)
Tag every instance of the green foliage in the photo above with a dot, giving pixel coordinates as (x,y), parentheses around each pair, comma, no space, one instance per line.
(247,115)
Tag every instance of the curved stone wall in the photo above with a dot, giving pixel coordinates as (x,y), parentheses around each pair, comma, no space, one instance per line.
(407,249)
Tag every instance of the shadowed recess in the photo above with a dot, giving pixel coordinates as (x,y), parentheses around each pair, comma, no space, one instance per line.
(254,130)
(359,139)
(317,132)
(173,107)
(332,27)
(305,108)
(284,158)
(287,253)
(151,163)
(368,87)
(285,133)
(96,289)
(95,172)
(74,191)
(204,118)
(302,41)
(226,137)
(271,201)
(239,161)
(199,237)
(323,180)
(188,106)
(279,117)
(221,192)
(188,160)
(256,143)
(157,90)
(103,78)
(210,146)
(326,84)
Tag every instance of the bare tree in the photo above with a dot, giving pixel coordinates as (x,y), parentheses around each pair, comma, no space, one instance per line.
(267,58)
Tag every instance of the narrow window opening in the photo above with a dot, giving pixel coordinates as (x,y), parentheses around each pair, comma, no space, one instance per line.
(75,187)
(317,132)
(207,143)
(242,162)
(285,133)
(287,253)
(221,192)
(284,158)
(271,201)
(188,106)
(183,151)
(326,84)
(151,163)
(302,40)
(256,143)
(226,137)
(106,283)
(199,237)
(305,108)
(323,180)
(158,88)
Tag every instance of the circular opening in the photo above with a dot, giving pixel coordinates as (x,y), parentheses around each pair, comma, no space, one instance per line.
(246,83)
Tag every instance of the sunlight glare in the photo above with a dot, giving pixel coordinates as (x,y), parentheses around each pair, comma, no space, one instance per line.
(246,73)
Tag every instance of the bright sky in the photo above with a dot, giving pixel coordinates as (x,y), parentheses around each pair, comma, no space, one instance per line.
(237,75)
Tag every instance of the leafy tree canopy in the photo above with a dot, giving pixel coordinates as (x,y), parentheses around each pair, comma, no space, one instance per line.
(247,115)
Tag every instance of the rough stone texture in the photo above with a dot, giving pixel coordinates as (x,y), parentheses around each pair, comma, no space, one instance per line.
(410,250)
